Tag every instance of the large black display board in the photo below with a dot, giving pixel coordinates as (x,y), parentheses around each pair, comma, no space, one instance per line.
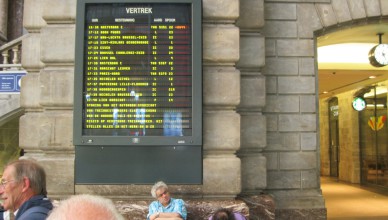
(138,85)
(139,74)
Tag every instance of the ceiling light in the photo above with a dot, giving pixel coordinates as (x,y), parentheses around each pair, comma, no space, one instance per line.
(379,90)
(345,53)
(375,105)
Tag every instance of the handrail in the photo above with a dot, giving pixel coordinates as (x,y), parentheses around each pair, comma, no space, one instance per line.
(11,50)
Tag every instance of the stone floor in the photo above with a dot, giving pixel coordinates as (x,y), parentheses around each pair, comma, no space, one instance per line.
(353,202)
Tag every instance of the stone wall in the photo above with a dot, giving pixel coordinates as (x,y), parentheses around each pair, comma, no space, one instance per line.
(292,151)
(324,137)
(291,110)
(47,94)
(253,129)
(3,21)
(348,139)
(221,95)
(15,23)
(11,22)
(349,154)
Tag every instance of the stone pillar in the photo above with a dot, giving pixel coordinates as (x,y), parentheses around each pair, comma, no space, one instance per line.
(324,134)
(48,94)
(349,132)
(3,20)
(291,111)
(221,95)
(30,123)
(253,123)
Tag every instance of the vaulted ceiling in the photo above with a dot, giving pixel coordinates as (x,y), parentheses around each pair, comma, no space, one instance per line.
(339,77)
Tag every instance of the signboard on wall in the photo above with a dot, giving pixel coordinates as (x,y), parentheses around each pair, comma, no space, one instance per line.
(10,81)
(138,78)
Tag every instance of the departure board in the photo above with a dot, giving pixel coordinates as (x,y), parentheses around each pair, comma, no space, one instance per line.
(139,74)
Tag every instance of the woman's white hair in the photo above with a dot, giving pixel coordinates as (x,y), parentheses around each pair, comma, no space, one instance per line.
(157,186)
(85,207)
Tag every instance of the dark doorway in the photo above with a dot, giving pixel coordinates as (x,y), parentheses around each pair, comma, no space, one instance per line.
(334,137)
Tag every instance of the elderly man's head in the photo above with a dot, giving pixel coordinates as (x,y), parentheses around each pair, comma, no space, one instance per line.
(160,192)
(86,207)
(22,179)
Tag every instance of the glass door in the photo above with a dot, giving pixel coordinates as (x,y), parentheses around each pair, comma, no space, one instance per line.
(373,137)
(334,137)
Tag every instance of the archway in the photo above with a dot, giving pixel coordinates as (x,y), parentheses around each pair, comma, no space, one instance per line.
(342,79)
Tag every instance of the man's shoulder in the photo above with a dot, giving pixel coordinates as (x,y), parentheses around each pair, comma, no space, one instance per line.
(154,203)
(35,213)
(180,201)
(35,208)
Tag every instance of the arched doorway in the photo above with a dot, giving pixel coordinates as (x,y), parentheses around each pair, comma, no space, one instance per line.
(339,83)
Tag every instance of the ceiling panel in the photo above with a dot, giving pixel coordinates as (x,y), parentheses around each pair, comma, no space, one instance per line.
(340,77)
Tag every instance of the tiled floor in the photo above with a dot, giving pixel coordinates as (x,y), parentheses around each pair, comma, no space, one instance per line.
(353,202)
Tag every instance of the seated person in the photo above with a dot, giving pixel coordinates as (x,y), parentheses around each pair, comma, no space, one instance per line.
(226,214)
(165,207)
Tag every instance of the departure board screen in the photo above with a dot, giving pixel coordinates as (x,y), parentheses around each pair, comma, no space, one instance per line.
(139,76)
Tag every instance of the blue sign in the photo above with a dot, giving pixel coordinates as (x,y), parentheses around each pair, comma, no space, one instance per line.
(10,81)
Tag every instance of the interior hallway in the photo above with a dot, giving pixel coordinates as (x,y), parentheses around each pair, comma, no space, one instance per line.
(352,201)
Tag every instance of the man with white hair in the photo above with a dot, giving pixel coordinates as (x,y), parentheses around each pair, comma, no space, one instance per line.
(165,207)
(85,207)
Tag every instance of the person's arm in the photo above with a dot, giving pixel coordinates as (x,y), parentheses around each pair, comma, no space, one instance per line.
(178,213)
(165,215)
(169,216)
(154,216)
(152,211)
(181,208)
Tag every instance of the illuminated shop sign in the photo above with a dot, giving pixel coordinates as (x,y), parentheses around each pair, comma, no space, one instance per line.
(359,103)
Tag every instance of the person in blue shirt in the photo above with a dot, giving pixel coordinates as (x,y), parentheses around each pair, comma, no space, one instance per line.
(165,207)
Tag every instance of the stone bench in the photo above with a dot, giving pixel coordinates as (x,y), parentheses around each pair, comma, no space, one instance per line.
(256,207)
